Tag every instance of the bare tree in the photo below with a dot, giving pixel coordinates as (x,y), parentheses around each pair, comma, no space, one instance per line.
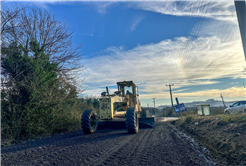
(8,16)
(22,24)
(39,66)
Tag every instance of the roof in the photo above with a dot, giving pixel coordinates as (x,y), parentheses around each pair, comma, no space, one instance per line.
(126,83)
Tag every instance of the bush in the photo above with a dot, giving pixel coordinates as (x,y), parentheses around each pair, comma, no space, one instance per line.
(39,65)
(188,119)
(35,100)
(238,118)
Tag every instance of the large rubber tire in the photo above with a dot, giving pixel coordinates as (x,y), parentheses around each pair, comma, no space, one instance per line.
(88,121)
(145,113)
(132,122)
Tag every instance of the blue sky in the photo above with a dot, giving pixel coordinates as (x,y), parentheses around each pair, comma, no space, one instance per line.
(194,45)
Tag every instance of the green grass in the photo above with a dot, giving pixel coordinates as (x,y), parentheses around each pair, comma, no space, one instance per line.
(221,134)
(237,118)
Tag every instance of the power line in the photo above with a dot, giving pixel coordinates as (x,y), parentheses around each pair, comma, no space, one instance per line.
(200,16)
(199,19)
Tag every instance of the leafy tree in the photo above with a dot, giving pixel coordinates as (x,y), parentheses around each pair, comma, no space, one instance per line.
(20,24)
(35,101)
(38,74)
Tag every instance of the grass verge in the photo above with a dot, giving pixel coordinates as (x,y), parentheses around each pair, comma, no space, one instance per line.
(224,135)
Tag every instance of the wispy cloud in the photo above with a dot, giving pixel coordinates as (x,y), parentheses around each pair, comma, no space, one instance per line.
(160,64)
(101,6)
(234,83)
(219,10)
(55,1)
(135,22)
(212,93)
(185,61)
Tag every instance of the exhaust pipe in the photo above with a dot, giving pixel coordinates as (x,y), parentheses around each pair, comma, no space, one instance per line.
(107,90)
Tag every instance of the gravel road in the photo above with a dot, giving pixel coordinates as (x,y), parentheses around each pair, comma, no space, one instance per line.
(162,145)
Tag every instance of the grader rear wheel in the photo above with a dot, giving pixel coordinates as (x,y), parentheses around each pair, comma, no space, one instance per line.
(88,121)
(132,122)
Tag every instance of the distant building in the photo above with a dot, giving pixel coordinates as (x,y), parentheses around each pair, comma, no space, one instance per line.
(210,100)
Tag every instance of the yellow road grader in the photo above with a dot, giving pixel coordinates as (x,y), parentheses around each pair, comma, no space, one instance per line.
(123,105)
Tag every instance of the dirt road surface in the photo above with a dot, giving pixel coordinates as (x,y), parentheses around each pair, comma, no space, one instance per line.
(162,145)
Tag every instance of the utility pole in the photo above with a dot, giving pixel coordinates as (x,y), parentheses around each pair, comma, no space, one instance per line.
(154,101)
(240,7)
(171,95)
(223,100)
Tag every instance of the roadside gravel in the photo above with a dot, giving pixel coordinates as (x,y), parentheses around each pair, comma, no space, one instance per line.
(162,145)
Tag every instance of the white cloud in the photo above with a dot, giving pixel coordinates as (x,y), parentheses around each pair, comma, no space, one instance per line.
(212,93)
(234,83)
(54,1)
(135,22)
(159,87)
(156,65)
(219,10)
(101,6)
(184,61)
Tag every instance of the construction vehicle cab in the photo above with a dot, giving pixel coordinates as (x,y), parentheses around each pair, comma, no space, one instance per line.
(129,90)
(122,105)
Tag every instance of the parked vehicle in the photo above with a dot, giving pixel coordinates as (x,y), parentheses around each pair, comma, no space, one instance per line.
(238,107)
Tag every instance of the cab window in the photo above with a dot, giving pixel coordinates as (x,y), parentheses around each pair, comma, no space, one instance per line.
(128,89)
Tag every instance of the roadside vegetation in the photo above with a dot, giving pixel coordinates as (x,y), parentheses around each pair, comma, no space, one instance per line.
(223,135)
(40,82)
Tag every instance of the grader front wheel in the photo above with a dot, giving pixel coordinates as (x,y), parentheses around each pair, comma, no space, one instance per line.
(88,121)
(132,122)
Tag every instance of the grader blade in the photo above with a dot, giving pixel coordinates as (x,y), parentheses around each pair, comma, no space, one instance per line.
(147,122)
(112,125)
